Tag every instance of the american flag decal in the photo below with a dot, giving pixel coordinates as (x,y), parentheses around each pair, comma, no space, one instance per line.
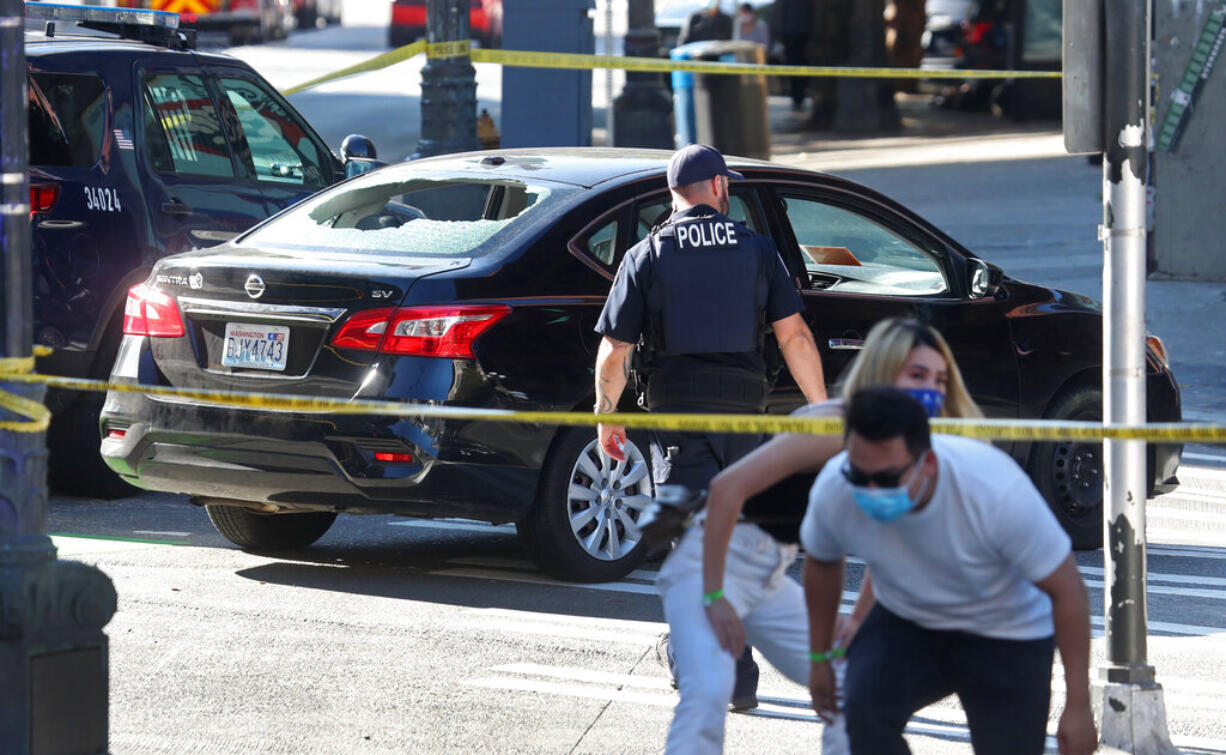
(123,140)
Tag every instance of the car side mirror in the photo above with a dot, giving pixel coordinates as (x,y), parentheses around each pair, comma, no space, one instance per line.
(356,166)
(359,155)
(985,278)
(356,145)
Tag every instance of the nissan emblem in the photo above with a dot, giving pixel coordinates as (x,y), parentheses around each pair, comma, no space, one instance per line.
(254,286)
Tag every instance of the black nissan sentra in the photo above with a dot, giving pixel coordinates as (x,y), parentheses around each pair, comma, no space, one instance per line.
(476,280)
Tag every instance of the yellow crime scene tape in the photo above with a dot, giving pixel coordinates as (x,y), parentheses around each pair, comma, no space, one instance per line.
(985,429)
(36,416)
(399,55)
(527,59)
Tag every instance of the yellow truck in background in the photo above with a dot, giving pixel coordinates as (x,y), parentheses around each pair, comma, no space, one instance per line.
(246,21)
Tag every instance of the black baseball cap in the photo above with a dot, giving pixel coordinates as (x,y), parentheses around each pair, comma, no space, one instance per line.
(695,163)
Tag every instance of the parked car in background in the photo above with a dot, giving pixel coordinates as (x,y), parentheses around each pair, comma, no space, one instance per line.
(996,35)
(245,21)
(408,23)
(138,149)
(308,13)
(475,280)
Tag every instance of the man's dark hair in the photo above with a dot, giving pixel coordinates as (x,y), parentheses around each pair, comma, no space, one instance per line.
(881,412)
(746,7)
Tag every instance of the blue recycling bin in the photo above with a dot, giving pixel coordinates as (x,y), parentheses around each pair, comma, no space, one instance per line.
(683,98)
(727,111)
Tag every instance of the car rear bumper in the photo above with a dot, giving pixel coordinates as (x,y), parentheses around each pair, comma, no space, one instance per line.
(292,461)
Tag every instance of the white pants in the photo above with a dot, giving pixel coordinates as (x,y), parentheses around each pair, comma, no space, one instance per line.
(770,604)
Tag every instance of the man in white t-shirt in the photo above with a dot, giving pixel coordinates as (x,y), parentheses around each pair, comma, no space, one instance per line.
(972,576)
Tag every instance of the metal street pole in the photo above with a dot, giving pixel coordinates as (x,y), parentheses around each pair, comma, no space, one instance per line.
(1133,715)
(53,654)
(448,85)
(642,114)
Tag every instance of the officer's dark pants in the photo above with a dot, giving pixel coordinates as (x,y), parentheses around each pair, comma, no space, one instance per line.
(697,457)
(896,667)
(692,460)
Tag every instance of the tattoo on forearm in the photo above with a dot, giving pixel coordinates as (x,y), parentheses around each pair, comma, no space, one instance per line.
(603,404)
(626,366)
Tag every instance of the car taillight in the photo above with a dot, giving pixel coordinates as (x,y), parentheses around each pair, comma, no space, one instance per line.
(389,457)
(151,313)
(364,330)
(43,197)
(435,331)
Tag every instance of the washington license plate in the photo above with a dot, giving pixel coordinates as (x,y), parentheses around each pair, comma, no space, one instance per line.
(262,347)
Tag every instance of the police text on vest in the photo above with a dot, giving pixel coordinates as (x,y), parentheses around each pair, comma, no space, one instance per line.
(706,234)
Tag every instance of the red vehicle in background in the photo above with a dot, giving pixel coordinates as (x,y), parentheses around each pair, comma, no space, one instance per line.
(409,22)
(246,21)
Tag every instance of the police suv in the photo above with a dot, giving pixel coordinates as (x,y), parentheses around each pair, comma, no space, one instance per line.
(140,147)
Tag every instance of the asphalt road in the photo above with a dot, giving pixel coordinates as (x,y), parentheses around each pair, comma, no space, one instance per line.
(394,635)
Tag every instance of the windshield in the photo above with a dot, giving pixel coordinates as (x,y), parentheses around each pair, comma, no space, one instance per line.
(385,212)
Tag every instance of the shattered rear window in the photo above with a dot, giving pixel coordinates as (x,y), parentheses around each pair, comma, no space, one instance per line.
(382,213)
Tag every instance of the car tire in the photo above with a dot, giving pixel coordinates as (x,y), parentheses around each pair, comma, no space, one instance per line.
(1069,474)
(252,530)
(75,465)
(582,527)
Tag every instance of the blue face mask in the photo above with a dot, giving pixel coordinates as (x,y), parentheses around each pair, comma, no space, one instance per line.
(931,400)
(883,504)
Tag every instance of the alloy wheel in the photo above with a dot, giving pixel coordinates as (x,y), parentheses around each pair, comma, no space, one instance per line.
(605,500)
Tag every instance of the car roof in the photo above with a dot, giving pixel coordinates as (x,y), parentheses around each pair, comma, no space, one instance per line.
(37,43)
(578,166)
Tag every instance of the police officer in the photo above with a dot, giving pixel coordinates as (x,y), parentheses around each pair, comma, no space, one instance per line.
(698,293)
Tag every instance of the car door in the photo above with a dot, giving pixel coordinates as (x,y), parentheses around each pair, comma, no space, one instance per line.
(83,224)
(865,261)
(273,143)
(198,196)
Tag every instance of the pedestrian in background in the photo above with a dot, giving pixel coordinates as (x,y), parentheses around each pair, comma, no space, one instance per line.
(699,292)
(754,509)
(975,583)
(706,24)
(792,25)
(750,28)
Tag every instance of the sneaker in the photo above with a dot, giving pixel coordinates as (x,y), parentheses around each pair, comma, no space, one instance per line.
(745,691)
(664,656)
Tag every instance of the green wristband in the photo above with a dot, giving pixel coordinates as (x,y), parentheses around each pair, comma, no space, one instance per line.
(829,655)
(709,599)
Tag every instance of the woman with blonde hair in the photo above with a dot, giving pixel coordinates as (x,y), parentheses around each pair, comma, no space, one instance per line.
(885,357)
(758,502)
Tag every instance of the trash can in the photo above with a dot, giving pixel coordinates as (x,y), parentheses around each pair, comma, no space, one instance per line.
(727,111)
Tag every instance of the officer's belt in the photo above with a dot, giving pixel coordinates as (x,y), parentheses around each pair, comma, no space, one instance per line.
(712,389)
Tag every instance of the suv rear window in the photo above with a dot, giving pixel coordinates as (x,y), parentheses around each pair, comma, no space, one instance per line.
(67,119)
(386,212)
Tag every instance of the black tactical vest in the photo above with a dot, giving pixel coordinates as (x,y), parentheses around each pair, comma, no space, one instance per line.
(708,289)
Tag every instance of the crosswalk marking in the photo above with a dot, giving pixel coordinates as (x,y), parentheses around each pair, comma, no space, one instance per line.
(1182,579)
(944,720)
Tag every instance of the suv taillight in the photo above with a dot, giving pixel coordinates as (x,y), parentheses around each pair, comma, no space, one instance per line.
(43,197)
(151,313)
(434,331)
